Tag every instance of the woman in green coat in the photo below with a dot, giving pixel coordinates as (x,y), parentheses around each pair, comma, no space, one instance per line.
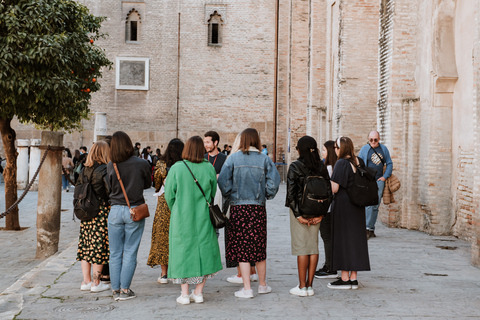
(194,255)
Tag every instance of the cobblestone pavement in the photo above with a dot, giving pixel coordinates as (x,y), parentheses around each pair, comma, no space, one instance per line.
(414,276)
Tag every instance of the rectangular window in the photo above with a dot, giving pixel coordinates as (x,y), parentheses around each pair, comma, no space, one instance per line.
(133,30)
(214,33)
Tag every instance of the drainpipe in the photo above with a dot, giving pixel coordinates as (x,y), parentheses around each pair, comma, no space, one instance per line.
(275,103)
(178,72)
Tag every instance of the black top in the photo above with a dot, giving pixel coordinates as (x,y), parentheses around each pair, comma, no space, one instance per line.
(296,182)
(217,161)
(136,175)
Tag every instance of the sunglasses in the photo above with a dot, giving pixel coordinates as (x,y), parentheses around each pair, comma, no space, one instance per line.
(373,140)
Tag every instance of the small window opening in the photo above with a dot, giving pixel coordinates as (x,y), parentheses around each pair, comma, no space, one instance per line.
(133,30)
(214,32)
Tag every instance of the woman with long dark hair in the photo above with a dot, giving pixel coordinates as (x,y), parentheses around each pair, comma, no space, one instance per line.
(350,249)
(304,229)
(161,223)
(248,178)
(194,255)
(330,157)
(124,233)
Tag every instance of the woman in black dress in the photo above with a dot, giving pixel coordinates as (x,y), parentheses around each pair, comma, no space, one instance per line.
(350,249)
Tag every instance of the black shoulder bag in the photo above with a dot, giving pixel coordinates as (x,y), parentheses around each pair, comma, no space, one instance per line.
(218,219)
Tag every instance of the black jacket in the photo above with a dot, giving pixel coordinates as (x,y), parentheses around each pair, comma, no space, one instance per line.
(99,181)
(296,181)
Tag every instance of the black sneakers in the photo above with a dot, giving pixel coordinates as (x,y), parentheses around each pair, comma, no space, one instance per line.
(324,273)
(340,284)
(354,284)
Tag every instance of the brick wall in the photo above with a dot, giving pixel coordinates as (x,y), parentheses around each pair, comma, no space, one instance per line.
(226,88)
(356,113)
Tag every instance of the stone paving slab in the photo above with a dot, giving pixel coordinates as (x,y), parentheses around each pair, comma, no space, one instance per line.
(411,278)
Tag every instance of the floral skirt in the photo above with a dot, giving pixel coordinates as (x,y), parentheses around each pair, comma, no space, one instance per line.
(246,234)
(93,240)
(193,280)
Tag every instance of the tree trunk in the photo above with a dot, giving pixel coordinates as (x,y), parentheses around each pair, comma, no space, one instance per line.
(49,197)
(10,173)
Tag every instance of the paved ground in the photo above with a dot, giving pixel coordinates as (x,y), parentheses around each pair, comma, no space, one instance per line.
(412,277)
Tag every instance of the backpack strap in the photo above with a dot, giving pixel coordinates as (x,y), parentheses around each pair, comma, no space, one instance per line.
(198,184)
(381,159)
(302,167)
(121,184)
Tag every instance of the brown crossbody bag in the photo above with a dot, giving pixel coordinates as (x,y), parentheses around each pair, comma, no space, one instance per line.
(139,212)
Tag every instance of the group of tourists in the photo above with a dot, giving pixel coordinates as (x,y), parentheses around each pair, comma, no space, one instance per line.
(189,177)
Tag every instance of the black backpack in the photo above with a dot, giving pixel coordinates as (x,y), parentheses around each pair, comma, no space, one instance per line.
(86,206)
(316,195)
(364,191)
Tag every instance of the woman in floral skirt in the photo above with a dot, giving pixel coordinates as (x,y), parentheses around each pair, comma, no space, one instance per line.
(93,250)
(248,178)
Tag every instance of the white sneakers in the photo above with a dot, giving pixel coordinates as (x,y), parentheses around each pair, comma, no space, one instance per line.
(310,291)
(264,289)
(242,293)
(183,299)
(237,279)
(86,287)
(196,298)
(303,292)
(299,292)
(101,287)
(90,287)
(192,297)
(162,279)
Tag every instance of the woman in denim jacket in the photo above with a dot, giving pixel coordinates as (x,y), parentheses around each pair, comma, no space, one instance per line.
(248,178)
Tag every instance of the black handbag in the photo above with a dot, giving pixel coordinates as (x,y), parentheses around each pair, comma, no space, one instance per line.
(218,219)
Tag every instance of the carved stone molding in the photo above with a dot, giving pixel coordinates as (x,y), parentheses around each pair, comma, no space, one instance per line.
(221,9)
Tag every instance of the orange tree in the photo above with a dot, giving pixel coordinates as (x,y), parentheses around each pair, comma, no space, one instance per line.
(49,66)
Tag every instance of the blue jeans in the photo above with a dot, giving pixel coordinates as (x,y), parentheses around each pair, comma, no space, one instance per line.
(371,212)
(64,182)
(124,237)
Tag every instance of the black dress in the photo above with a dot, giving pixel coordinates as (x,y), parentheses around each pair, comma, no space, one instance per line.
(350,248)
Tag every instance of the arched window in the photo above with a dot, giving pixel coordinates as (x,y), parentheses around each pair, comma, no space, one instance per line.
(215,29)
(133,26)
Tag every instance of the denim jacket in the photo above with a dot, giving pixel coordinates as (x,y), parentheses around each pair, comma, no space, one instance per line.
(248,178)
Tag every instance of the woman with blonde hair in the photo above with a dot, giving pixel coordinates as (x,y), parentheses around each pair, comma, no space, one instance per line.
(350,249)
(93,249)
(254,180)
(237,278)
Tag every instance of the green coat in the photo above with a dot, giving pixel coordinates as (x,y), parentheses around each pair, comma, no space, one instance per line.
(193,244)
